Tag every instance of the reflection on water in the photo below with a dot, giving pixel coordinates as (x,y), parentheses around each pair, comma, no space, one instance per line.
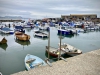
(12,60)
(23,42)
(68,36)
(41,38)
(4,46)
(52,59)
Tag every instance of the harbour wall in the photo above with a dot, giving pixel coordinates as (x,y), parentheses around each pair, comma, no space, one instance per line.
(84,64)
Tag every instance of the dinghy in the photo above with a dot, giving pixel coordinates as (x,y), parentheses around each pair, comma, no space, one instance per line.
(23,37)
(3,40)
(32,61)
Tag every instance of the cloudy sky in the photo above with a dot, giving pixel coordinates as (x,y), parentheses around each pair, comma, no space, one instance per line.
(48,8)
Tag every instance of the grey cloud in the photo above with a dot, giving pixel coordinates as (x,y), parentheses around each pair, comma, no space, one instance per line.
(16,7)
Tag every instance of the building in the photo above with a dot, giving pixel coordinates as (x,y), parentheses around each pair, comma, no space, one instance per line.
(65,16)
(79,16)
(83,16)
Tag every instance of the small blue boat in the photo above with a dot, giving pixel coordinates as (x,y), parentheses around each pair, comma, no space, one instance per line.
(19,28)
(6,30)
(32,61)
(65,32)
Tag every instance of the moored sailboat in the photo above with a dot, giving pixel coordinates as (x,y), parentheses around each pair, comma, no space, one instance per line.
(70,50)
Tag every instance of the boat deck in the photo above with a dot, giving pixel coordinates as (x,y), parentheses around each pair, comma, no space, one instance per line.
(41,34)
(66,48)
(56,50)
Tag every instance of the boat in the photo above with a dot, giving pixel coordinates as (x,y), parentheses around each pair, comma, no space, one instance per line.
(19,28)
(78,25)
(30,23)
(70,50)
(6,30)
(65,32)
(44,28)
(92,28)
(3,40)
(79,30)
(32,61)
(22,21)
(54,51)
(52,24)
(58,53)
(23,37)
(18,33)
(28,26)
(40,34)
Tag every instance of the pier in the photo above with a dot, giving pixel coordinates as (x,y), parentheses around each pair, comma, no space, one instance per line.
(84,64)
(10,20)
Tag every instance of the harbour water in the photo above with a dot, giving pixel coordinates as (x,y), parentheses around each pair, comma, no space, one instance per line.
(12,55)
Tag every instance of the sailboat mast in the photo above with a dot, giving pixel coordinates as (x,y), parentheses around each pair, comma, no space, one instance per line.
(48,42)
(60,46)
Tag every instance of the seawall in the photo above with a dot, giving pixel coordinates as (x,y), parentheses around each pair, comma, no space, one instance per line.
(84,64)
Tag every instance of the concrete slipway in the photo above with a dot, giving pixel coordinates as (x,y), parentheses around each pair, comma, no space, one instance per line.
(84,64)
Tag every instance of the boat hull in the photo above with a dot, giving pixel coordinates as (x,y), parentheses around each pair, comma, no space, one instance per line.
(54,52)
(51,54)
(28,26)
(23,37)
(34,63)
(6,30)
(3,41)
(40,34)
(65,32)
(70,50)
(18,33)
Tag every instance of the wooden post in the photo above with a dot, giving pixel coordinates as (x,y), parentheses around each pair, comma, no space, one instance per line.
(47,60)
(48,43)
(60,46)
